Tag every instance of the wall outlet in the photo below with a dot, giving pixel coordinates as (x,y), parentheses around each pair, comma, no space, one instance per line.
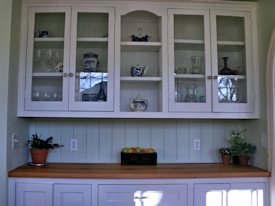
(15,140)
(74,144)
(197,144)
(263,140)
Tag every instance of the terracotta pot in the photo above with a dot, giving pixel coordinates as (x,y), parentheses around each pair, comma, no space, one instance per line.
(244,160)
(39,156)
(235,160)
(226,159)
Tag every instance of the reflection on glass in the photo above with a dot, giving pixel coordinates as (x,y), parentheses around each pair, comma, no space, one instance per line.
(216,198)
(148,198)
(92,86)
(231,90)
(246,197)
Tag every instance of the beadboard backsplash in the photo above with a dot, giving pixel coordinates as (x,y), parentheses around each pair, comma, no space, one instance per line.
(101,140)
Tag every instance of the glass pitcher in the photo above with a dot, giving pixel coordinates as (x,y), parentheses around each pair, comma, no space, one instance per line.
(190,93)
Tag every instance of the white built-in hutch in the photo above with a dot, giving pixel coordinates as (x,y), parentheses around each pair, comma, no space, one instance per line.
(200,59)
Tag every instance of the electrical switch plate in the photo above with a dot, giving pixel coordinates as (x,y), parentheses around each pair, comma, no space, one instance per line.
(263,140)
(15,140)
(197,144)
(74,144)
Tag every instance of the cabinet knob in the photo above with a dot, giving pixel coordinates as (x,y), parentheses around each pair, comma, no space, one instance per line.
(65,74)
(215,77)
(140,198)
(209,77)
(71,74)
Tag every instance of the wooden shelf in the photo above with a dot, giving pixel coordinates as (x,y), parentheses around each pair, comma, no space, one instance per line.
(49,39)
(142,79)
(188,41)
(92,39)
(189,76)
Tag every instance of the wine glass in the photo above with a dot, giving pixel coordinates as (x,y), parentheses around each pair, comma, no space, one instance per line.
(37,60)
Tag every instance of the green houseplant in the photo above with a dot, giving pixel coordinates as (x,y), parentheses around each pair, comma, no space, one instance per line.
(39,149)
(226,155)
(240,147)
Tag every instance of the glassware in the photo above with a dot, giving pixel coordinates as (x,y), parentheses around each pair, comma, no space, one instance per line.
(37,60)
(196,64)
(190,93)
(225,70)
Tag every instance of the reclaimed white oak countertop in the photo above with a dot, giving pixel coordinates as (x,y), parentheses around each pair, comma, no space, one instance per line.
(117,171)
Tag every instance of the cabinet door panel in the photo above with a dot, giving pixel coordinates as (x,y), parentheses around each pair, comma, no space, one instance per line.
(211,194)
(33,194)
(189,65)
(232,62)
(149,195)
(72,195)
(47,58)
(92,59)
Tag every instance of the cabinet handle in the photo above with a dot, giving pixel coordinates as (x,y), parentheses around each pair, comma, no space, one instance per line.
(65,74)
(215,77)
(209,77)
(71,74)
(140,198)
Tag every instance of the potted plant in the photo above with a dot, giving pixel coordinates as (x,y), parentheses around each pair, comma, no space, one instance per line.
(244,150)
(39,149)
(240,147)
(226,155)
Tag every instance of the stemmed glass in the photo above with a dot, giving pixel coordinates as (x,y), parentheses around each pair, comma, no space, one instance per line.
(47,60)
(37,60)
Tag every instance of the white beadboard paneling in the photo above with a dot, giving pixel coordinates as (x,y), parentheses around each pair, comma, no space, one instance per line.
(170,142)
(157,138)
(80,134)
(118,140)
(93,136)
(194,133)
(67,133)
(101,140)
(105,141)
(182,141)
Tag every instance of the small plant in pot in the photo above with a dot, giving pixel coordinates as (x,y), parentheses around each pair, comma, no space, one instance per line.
(226,155)
(39,149)
(244,151)
(240,147)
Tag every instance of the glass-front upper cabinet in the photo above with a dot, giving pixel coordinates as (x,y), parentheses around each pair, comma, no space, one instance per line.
(231,61)
(47,58)
(189,60)
(92,59)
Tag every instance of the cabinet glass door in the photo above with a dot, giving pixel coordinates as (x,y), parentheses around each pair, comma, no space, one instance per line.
(47,58)
(231,56)
(92,62)
(189,61)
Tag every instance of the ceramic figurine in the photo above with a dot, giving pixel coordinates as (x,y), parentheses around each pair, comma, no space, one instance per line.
(138,104)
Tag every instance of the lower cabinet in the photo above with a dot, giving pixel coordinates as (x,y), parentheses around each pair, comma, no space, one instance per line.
(139,192)
(143,195)
(72,195)
(33,194)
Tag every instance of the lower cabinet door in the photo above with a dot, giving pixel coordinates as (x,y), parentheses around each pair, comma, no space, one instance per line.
(33,194)
(72,195)
(143,195)
(210,194)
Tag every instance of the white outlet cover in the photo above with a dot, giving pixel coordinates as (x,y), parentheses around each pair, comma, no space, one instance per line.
(197,144)
(15,141)
(74,144)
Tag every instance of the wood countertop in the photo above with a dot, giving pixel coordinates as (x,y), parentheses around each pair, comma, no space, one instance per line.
(116,171)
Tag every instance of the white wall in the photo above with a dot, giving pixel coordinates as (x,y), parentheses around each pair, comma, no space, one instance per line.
(14,124)
(5,22)
(9,43)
